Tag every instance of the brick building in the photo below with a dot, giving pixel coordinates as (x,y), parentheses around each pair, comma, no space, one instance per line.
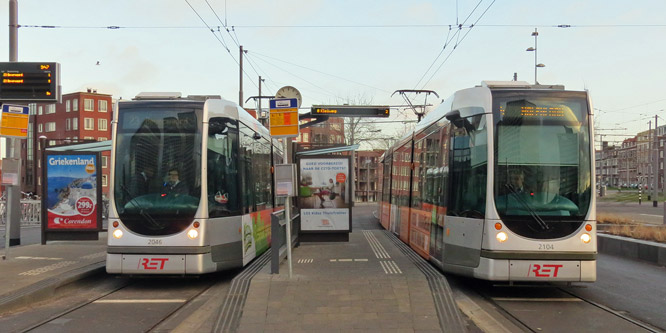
(81,117)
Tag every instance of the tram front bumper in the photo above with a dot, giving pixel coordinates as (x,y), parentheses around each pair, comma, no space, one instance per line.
(536,270)
(166,264)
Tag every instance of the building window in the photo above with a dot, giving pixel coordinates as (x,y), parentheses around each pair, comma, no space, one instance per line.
(101,138)
(52,142)
(102,106)
(101,124)
(50,109)
(88,104)
(105,181)
(75,124)
(76,138)
(50,126)
(105,160)
(40,110)
(88,138)
(68,124)
(75,105)
(68,105)
(89,124)
(40,128)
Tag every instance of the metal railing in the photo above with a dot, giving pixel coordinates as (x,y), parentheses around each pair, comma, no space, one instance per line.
(31,212)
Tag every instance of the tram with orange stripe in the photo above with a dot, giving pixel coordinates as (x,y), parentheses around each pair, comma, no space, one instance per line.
(497,183)
(192,189)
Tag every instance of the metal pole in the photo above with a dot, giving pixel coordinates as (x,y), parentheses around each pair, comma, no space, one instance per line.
(287,206)
(13,204)
(240,89)
(655,163)
(352,167)
(259,106)
(536,34)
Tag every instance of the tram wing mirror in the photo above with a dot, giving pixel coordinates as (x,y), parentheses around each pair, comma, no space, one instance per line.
(256,136)
(454,117)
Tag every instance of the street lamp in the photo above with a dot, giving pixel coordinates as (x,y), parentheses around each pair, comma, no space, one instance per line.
(534,49)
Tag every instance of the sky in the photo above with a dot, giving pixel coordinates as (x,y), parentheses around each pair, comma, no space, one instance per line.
(357,51)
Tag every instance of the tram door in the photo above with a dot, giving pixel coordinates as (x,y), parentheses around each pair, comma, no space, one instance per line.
(436,183)
(467,191)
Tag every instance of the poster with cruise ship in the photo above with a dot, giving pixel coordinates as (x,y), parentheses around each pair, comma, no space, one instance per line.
(71,191)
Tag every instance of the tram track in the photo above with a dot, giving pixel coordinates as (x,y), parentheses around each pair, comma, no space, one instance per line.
(552,308)
(619,314)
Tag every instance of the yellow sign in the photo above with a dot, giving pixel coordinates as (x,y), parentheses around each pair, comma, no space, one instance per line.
(284,122)
(14,121)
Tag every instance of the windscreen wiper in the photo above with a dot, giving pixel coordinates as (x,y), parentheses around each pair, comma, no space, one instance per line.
(143,214)
(526,205)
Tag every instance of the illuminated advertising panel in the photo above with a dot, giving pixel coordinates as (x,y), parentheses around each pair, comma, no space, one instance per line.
(72,193)
(324,194)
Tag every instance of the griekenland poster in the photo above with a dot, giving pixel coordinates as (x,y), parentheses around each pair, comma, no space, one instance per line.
(71,192)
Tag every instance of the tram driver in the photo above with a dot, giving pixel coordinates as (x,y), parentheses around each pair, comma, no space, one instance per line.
(174,185)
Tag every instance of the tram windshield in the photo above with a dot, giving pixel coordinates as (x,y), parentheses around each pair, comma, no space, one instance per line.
(157,180)
(542,161)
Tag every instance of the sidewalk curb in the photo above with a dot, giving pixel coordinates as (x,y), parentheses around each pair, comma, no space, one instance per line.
(635,249)
(46,288)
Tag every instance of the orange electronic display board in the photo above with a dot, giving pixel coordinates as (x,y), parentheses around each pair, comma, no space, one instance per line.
(30,82)
(350,111)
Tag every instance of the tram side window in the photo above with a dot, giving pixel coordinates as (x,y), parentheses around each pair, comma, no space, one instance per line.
(256,179)
(386,182)
(469,159)
(223,168)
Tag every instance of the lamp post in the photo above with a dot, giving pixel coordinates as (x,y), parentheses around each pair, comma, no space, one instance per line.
(530,49)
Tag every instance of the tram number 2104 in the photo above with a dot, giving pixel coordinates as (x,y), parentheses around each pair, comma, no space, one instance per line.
(545,246)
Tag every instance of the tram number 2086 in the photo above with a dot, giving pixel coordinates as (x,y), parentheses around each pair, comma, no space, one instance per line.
(154,242)
(544,246)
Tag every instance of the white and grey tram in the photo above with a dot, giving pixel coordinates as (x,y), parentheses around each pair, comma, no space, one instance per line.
(191,186)
(498,183)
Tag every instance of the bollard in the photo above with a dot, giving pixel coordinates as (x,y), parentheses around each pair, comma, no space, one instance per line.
(639,196)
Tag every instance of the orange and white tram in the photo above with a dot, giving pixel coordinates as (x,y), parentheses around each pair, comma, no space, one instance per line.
(498,183)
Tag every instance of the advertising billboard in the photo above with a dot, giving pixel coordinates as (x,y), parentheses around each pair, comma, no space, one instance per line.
(72,193)
(324,193)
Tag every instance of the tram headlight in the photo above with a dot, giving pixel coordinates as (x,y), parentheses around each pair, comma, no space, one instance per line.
(501,237)
(117,233)
(585,238)
(193,234)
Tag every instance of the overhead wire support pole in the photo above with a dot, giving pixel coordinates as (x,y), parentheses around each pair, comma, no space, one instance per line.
(404,92)
(240,85)
(13,203)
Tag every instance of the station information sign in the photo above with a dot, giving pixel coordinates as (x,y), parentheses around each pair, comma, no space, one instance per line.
(350,110)
(14,121)
(30,81)
(283,118)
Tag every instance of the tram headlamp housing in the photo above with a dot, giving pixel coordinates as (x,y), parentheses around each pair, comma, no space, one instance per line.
(585,238)
(117,234)
(501,236)
(193,234)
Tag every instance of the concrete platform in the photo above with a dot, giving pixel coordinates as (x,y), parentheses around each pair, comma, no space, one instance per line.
(32,273)
(367,283)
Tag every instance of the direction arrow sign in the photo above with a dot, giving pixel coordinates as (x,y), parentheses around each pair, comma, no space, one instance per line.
(14,121)
(283,119)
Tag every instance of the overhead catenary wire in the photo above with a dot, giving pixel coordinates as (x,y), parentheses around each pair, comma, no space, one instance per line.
(320,72)
(457,43)
(219,40)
